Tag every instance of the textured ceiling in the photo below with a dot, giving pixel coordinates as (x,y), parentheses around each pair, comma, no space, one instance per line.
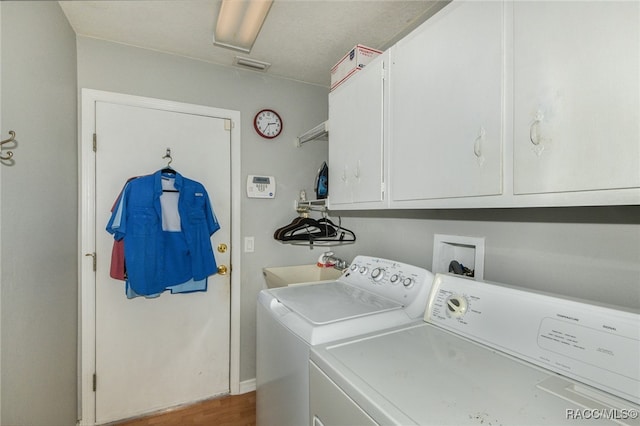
(301,39)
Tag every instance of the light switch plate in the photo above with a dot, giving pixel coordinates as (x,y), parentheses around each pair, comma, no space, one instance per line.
(249,243)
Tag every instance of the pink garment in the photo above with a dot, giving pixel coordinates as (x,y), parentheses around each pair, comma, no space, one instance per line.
(118,268)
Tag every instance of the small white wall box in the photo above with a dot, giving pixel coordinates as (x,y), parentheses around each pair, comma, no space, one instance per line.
(468,251)
(356,59)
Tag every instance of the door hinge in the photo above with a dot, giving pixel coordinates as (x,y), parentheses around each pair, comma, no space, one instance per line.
(95,142)
(95,381)
(228,124)
(93,256)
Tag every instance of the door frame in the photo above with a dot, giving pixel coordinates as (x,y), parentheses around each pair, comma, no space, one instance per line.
(87,232)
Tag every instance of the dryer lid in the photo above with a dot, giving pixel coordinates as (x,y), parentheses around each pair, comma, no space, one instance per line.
(331,302)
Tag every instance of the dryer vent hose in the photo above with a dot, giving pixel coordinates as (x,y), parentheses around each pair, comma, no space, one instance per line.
(459,269)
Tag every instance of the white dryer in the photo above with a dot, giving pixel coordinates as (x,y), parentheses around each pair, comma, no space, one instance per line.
(372,294)
(486,354)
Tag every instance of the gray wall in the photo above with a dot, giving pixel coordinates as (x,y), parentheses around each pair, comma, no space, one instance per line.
(125,69)
(39,205)
(583,252)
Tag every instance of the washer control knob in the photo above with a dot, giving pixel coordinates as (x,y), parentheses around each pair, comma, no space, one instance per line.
(353,267)
(457,306)
(407,282)
(377,274)
(394,278)
(364,270)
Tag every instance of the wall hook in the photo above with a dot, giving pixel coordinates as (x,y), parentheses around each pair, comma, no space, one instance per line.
(168,155)
(11,139)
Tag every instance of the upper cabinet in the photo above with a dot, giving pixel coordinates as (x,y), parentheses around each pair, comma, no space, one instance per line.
(576,97)
(446,106)
(356,146)
(495,104)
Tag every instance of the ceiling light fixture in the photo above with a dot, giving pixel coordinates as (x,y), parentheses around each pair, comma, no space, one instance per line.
(239,22)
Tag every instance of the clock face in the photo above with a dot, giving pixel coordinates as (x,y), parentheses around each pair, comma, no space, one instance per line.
(268,123)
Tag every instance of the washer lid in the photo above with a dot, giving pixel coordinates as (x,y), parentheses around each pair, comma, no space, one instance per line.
(422,375)
(330,302)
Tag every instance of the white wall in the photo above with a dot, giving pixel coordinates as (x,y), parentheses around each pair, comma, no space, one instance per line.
(125,69)
(39,205)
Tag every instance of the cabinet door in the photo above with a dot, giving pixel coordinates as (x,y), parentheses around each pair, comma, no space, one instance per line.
(576,96)
(446,105)
(330,406)
(341,135)
(356,139)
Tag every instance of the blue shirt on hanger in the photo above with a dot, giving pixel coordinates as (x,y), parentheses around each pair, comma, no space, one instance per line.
(161,252)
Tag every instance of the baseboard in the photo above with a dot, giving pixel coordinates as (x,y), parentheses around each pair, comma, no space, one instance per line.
(247,386)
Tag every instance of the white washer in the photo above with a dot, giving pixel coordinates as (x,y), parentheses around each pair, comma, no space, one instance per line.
(487,354)
(373,294)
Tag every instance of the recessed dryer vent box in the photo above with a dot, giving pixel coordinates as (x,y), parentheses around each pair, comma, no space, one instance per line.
(468,251)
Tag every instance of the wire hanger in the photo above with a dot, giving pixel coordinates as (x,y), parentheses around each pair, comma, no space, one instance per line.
(168,168)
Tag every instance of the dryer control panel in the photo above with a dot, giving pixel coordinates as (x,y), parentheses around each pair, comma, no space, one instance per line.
(401,282)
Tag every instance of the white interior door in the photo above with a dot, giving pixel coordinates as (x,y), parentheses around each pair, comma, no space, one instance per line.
(156,353)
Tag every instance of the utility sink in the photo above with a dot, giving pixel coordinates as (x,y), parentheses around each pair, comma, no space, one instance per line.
(282,276)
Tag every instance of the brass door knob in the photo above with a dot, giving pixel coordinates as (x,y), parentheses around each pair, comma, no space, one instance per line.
(222,270)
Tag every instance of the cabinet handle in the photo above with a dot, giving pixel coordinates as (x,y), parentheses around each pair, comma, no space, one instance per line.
(356,172)
(534,134)
(477,146)
(534,129)
(344,174)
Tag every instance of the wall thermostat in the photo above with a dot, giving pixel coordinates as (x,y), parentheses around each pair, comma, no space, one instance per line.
(261,186)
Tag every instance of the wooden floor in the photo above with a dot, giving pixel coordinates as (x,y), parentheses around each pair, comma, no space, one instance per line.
(235,410)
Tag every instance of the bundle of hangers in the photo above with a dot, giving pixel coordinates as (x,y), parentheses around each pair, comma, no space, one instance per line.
(306,229)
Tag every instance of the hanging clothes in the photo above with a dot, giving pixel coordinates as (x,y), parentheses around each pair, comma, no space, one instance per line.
(166,239)
(118,269)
